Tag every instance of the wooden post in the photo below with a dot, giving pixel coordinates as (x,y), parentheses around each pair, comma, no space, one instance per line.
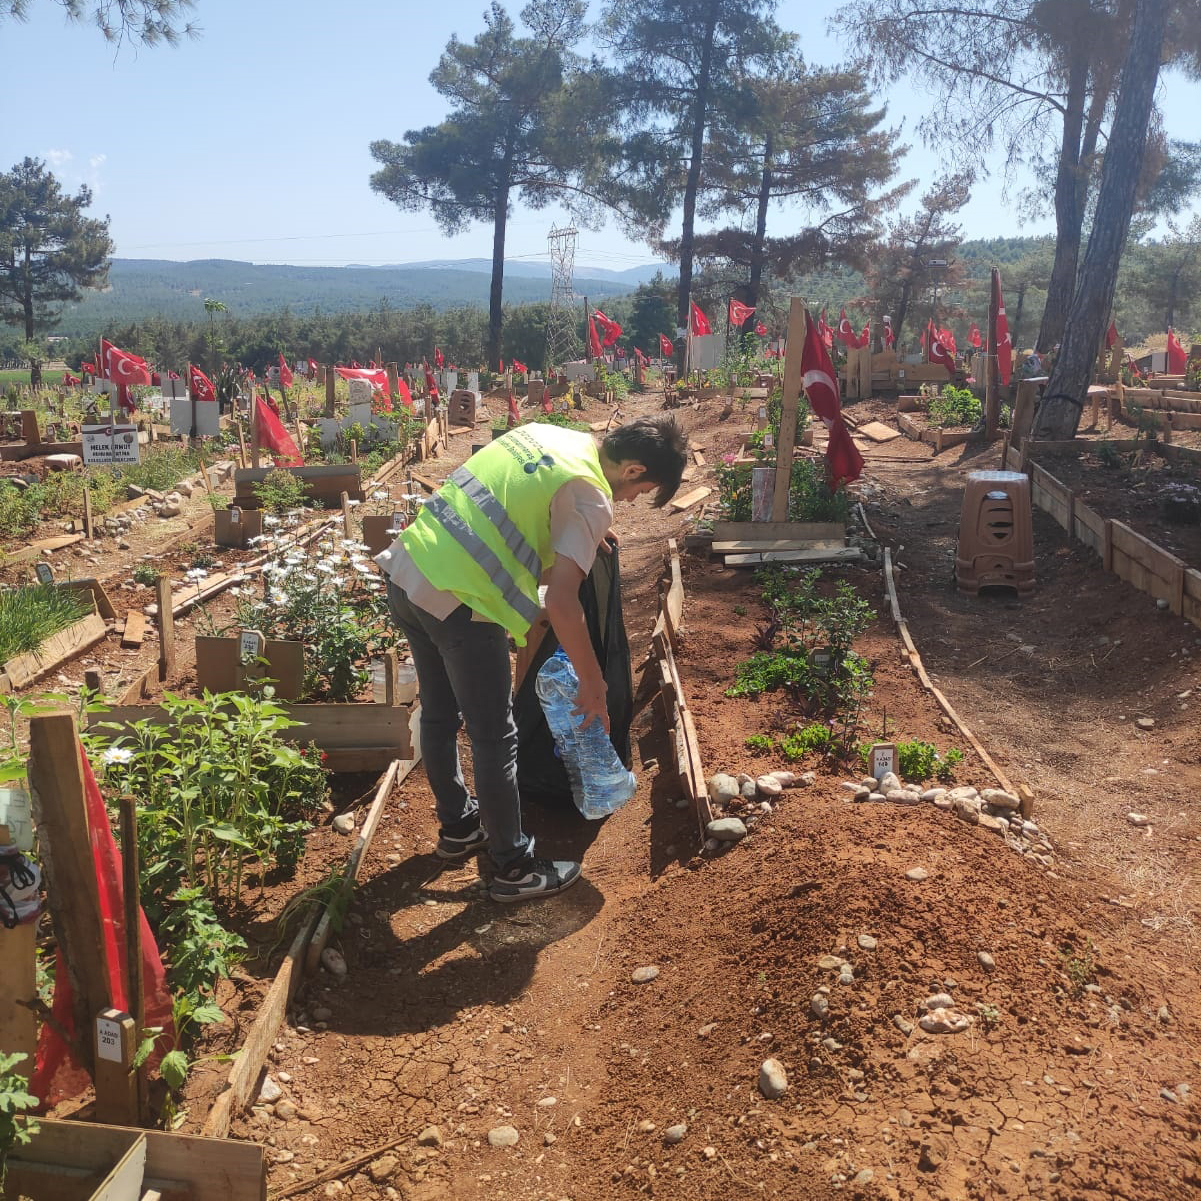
(18,986)
(30,433)
(300,438)
(254,430)
(346,512)
(115,1076)
(73,895)
(394,383)
(390,663)
(354,450)
(204,473)
(992,398)
(89,530)
(792,388)
(241,436)
(131,887)
(331,380)
(166,630)
(93,680)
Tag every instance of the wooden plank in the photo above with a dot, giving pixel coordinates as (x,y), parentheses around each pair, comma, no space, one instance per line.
(763,544)
(812,531)
(115,1077)
(124,1182)
(680,503)
(845,554)
(35,550)
(135,629)
(791,388)
(18,986)
(73,896)
(56,650)
(877,431)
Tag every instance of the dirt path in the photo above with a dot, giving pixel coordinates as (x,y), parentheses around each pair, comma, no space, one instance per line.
(463,1016)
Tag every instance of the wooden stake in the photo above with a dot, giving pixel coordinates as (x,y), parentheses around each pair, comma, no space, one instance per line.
(354,450)
(792,389)
(89,530)
(331,397)
(204,473)
(346,512)
(18,985)
(165,619)
(135,997)
(992,400)
(241,437)
(254,430)
(73,895)
(116,1079)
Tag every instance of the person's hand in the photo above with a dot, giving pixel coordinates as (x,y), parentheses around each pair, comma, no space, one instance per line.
(592,703)
(609,542)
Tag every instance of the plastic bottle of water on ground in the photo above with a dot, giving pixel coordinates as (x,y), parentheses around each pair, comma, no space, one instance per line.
(600,782)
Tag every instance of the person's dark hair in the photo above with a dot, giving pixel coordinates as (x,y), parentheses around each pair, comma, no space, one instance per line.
(659,444)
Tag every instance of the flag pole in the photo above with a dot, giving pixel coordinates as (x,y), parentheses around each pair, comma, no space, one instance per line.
(786,443)
(992,400)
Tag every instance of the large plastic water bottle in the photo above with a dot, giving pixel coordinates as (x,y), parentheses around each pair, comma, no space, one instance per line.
(599,780)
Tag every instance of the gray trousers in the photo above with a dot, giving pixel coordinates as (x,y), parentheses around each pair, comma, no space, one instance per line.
(464,678)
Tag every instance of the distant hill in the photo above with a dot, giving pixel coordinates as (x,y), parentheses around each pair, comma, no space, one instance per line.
(175,291)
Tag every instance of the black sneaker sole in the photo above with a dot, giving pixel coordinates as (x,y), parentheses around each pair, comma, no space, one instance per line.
(463,855)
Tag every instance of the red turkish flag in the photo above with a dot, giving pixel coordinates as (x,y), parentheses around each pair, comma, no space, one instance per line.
(514,412)
(845,334)
(611,328)
(312,368)
(844,463)
(938,350)
(199,384)
(973,336)
(1177,355)
(948,340)
(666,349)
(124,368)
(275,438)
(739,312)
(1111,335)
(1004,343)
(518,366)
(594,342)
(285,372)
(890,338)
(761,329)
(698,323)
(639,356)
(548,405)
(431,383)
(865,337)
(438,359)
(826,332)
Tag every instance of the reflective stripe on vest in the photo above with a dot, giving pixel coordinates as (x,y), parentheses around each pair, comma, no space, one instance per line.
(483,554)
(491,508)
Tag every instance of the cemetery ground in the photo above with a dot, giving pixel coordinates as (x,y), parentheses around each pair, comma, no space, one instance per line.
(477,1051)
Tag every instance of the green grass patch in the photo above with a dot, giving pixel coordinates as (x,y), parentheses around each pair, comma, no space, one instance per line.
(30,615)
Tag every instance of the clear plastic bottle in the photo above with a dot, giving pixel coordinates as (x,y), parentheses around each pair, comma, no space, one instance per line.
(600,782)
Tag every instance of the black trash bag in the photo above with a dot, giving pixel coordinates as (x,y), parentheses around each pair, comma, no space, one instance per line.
(541,776)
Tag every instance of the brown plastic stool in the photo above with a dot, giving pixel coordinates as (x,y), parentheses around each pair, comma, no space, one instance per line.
(996,541)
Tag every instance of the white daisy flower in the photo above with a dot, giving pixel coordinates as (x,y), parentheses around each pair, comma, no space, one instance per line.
(118,754)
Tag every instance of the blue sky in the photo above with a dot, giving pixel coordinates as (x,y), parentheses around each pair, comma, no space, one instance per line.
(251,141)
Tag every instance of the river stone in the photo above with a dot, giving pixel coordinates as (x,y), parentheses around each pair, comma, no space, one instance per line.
(1138,819)
(723,788)
(819,1005)
(942,801)
(344,823)
(503,1136)
(903,796)
(333,962)
(1145,723)
(986,821)
(773,1079)
(285,1110)
(675,1134)
(846,975)
(890,780)
(769,786)
(867,942)
(877,798)
(748,791)
(967,809)
(644,975)
(933,794)
(830,963)
(998,798)
(939,1000)
(964,791)
(431,1136)
(917,873)
(861,794)
(987,962)
(727,829)
(944,1021)
(270,1091)
(786,778)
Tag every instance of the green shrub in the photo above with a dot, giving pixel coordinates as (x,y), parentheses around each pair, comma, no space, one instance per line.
(279,491)
(31,614)
(809,496)
(954,406)
(759,742)
(813,739)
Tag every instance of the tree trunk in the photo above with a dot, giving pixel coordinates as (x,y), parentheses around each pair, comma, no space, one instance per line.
(902,311)
(27,296)
(1059,414)
(1017,315)
(496,292)
(700,116)
(759,243)
(1068,215)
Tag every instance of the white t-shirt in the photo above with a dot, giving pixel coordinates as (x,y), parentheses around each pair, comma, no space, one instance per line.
(580,516)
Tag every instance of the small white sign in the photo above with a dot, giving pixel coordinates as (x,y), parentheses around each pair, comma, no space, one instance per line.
(208,417)
(16,812)
(104,445)
(252,645)
(108,1039)
(235,515)
(884,759)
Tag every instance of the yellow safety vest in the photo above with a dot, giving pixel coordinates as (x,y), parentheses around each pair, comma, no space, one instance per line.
(485,534)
